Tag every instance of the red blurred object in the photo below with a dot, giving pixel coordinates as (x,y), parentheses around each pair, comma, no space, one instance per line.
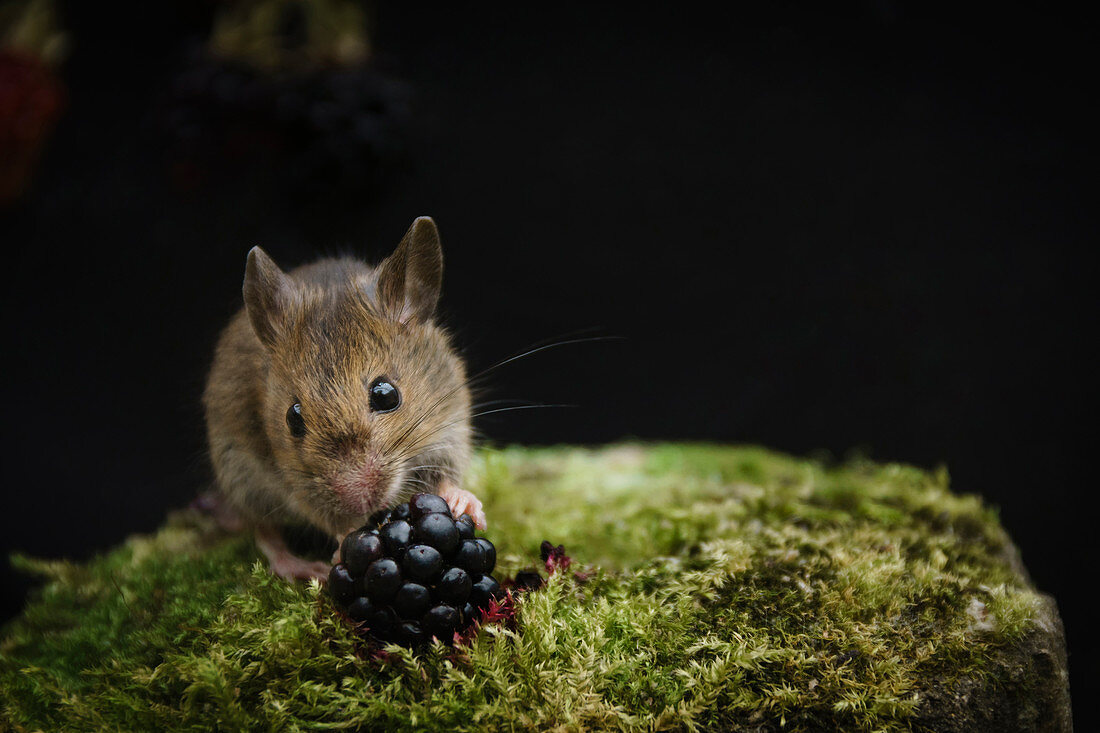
(31,100)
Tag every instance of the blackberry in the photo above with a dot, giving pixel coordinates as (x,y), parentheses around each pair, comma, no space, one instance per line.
(396,537)
(360,609)
(412,601)
(441,621)
(414,572)
(382,580)
(359,549)
(490,551)
(422,562)
(453,587)
(381,620)
(341,584)
(470,557)
(438,531)
(409,633)
(422,504)
(484,590)
(466,526)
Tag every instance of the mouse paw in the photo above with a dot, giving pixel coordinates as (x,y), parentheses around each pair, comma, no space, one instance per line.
(463,502)
(284,563)
(296,568)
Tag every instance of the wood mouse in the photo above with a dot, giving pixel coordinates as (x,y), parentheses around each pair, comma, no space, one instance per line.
(334,393)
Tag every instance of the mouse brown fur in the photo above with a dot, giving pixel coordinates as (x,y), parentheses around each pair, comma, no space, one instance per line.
(318,338)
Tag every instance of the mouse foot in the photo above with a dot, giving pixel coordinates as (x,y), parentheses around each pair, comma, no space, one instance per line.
(284,563)
(462,502)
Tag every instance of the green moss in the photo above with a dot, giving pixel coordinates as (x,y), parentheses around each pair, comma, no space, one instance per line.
(723,587)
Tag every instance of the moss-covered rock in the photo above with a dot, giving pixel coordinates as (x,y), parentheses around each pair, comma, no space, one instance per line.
(726,588)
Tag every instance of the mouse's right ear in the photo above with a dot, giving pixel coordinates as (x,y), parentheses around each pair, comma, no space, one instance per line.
(268,295)
(409,280)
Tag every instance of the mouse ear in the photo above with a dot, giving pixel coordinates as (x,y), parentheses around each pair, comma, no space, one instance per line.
(268,295)
(410,279)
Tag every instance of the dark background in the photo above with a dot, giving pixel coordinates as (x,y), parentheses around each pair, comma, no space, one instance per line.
(861,228)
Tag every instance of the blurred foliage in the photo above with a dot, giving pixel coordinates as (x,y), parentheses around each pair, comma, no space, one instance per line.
(292,34)
(32,27)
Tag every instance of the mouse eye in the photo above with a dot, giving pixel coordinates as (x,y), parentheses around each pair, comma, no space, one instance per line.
(295,421)
(384,397)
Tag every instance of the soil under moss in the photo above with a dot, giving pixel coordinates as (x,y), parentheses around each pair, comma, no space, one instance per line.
(728,588)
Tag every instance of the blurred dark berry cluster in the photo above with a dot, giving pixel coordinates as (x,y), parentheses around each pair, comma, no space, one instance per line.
(317,127)
(415,572)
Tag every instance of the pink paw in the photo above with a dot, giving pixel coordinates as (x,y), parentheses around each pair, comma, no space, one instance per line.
(463,502)
(284,563)
(295,568)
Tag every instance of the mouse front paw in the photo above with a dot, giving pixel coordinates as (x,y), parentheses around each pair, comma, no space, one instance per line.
(463,502)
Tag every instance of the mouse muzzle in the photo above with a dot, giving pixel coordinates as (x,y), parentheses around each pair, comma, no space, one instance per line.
(361,488)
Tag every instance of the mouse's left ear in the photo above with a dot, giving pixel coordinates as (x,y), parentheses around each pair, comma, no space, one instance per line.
(269,296)
(410,279)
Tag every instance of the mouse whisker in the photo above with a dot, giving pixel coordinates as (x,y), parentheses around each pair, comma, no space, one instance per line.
(428,465)
(443,427)
(490,403)
(484,372)
(426,453)
(407,434)
(441,446)
(447,472)
(544,347)
(410,479)
(510,409)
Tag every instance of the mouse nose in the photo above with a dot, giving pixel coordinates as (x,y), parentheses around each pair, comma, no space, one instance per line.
(358,484)
(349,445)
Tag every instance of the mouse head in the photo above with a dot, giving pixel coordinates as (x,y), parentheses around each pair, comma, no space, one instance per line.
(365,399)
